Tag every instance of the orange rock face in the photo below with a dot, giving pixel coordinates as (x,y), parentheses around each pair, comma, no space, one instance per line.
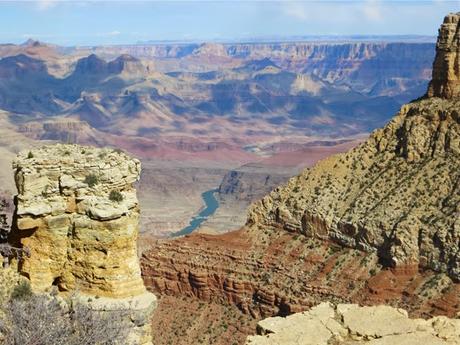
(278,273)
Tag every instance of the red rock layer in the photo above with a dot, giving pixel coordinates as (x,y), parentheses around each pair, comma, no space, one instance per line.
(279,273)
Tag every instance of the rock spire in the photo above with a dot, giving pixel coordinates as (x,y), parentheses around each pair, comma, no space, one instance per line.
(445,82)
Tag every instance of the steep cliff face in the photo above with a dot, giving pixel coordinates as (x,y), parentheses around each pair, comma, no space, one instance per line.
(446,67)
(65,130)
(396,195)
(77,213)
(274,272)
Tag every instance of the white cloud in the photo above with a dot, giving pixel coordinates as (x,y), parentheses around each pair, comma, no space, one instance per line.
(295,10)
(109,34)
(372,10)
(44,5)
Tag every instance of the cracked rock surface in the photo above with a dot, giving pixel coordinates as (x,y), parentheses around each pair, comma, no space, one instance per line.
(350,324)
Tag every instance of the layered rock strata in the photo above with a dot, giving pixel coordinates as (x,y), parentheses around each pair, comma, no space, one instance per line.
(277,273)
(396,195)
(77,213)
(347,324)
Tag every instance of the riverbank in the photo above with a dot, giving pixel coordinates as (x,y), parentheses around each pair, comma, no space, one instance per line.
(211,205)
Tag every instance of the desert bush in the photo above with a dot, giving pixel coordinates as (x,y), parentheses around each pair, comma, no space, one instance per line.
(115,196)
(91,180)
(30,155)
(22,291)
(46,320)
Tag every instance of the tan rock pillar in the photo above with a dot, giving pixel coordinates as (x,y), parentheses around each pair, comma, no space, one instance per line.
(77,212)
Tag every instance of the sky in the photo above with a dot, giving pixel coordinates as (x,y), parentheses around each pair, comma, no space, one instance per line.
(124,22)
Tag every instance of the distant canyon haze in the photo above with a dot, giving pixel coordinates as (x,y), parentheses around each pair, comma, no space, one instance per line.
(238,117)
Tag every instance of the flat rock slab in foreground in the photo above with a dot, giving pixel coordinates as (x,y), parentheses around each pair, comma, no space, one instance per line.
(348,324)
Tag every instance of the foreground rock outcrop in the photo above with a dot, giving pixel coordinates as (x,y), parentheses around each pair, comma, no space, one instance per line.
(77,213)
(351,324)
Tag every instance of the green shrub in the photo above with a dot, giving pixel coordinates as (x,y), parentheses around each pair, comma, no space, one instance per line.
(115,196)
(22,291)
(30,155)
(91,180)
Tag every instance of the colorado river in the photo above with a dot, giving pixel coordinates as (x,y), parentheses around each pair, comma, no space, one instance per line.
(211,205)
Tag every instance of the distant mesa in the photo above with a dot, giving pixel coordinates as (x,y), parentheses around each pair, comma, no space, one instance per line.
(90,65)
(94,65)
(211,49)
(33,43)
(258,65)
(19,65)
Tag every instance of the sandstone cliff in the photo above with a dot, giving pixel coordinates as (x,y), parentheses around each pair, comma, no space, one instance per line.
(396,195)
(350,324)
(446,71)
(77,213)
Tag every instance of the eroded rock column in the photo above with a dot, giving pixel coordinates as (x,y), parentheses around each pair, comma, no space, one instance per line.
(446,67)
(77,212)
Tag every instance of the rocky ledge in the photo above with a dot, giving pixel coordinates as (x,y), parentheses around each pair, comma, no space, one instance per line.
(77,213)
(347,324)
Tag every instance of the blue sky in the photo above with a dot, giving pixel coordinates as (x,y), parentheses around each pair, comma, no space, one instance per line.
(120,22)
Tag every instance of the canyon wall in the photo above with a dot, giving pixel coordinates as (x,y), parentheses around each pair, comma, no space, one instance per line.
(77,213)
(378,224)
(385,196)
(372,67)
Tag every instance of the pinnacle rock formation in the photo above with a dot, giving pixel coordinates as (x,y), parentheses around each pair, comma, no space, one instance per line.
(77,213)
(397,194)
(446,67)
(347,324)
